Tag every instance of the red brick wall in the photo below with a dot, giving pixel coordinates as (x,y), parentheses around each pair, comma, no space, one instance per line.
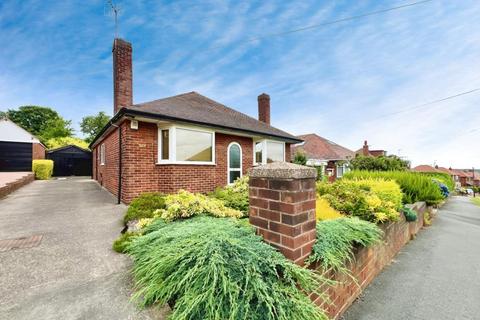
(368,263)
(288,152)
(140,173)
(38,151)
(107,174)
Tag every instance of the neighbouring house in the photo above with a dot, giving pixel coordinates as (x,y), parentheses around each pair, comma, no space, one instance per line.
(365,151)
(18,147)
(320,152)
(71,160)
(187,141)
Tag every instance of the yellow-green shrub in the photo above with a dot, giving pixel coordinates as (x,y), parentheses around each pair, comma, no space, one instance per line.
(324,211)
(375,200)
(43,169)
(185,204)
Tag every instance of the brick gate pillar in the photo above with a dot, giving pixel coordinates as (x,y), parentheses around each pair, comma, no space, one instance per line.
(282,207)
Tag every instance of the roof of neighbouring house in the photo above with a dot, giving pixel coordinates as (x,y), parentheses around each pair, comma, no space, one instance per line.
(195,108)
(316,147)
(425,168)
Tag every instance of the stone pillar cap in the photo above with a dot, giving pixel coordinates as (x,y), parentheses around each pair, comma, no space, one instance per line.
(283,170)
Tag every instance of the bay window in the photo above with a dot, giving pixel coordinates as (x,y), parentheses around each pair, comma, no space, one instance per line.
(182,145)
(267,151)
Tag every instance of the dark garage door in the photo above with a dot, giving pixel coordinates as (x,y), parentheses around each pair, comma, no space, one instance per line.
(71,161)
(15,156)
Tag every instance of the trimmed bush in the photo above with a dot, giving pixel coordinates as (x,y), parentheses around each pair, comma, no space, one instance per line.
(234,196)
(374,200)
(410,215)
(185,204)
(336,239)
(415,186)
(144,206)
(211,268)
(43,169)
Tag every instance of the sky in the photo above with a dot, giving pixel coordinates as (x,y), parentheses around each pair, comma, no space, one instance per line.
(360,79)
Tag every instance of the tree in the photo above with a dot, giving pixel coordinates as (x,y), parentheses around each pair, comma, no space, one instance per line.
(65,141)
(300,157)
(43,122)
(92,125)
(382,163)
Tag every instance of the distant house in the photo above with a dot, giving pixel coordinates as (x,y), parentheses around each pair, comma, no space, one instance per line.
(321,152)
(187,141)
(365,151)
(18,147)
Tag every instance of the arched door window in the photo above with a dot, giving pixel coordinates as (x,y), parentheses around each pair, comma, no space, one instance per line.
(234,159)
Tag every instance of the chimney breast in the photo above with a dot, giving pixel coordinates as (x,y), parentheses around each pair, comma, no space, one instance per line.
(365,150)
(122,74)
(264,108)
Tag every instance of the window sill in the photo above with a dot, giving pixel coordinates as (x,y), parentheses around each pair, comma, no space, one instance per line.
(188,163)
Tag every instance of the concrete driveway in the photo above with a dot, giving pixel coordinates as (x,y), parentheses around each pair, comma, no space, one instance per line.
(73,273)
(437,276)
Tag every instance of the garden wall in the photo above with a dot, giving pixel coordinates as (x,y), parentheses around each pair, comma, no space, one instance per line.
(369,262)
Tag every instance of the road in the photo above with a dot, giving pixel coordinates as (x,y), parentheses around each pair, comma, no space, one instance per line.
(436,276)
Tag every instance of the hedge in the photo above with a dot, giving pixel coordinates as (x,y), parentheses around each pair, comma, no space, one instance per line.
(43,169)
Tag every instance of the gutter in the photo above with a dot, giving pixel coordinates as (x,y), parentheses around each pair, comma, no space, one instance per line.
(124,111)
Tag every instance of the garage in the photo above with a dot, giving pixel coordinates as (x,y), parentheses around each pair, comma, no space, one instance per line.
(15,156)
(71,161)
(18,147)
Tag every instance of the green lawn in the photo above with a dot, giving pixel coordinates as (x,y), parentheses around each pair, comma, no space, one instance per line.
(476,200)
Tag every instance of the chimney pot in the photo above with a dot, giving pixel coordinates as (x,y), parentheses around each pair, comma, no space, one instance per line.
(122,74)
(264,108)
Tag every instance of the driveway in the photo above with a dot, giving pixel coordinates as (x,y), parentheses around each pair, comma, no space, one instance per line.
(437,276)
(73,273)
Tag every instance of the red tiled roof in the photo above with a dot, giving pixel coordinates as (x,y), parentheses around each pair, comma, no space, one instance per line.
(425,168)
(316,147)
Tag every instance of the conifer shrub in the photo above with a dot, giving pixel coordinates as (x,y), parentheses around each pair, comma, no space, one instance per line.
(213,268)
(336,239)
(144,206)
(375,200)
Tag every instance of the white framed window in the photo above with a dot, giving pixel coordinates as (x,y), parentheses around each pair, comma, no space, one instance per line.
(342,169)
(185,145)
(102,154)
(234,162)
(267,151)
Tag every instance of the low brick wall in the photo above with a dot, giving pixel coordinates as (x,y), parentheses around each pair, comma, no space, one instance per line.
(369,262)
(12,186)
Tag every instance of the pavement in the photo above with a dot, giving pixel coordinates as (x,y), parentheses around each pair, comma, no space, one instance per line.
(436,276)
(73,273)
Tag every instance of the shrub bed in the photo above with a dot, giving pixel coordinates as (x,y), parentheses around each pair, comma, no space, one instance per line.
(444,178)
(374,200)
(415,186)
(234,196)
(211,268)
(43,169)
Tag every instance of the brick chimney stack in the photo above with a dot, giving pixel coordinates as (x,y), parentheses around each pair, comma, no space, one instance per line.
(365,150)
(264,108)
(122,74)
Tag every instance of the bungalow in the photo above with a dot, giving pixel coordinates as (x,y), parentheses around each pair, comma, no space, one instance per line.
(456,176)
(328,155)
(187,141)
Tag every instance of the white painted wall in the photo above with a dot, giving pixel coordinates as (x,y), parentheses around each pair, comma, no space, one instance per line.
(11,132)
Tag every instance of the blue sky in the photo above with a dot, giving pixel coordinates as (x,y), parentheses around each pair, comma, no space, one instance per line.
(341,81)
